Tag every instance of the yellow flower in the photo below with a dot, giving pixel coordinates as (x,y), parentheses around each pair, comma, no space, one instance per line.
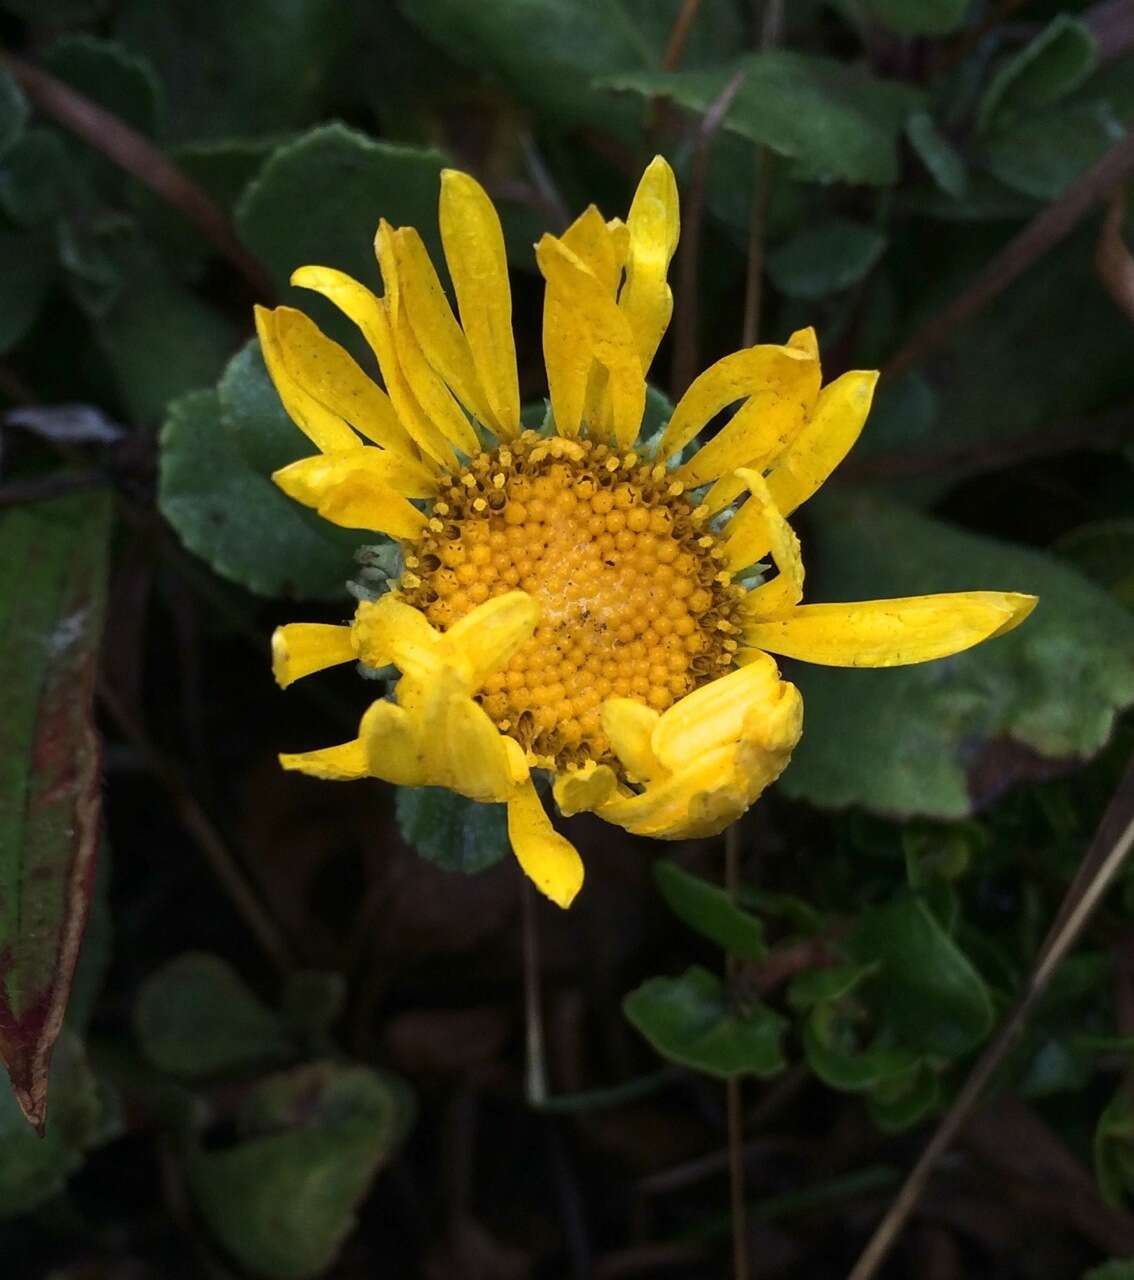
(576,599)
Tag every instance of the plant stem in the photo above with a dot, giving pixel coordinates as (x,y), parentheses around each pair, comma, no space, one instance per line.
(740,1268)
(535,1076)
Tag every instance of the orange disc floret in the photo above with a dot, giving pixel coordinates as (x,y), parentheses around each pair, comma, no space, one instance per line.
(633,598)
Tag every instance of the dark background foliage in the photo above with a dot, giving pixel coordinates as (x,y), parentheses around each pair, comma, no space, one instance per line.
(298,1041)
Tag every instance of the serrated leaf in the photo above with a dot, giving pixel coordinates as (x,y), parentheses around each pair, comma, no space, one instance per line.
(34,1169)
(53,567)
(234,518)
(905,741)
(1055,62)
(195,1017)
(835,122)
(244,68)
(455,833)
(690,1020)
(709,910)
(919,17)
(938,154)
(13,111)
(825,258)
(358,181)
(283,1198)
(926,990)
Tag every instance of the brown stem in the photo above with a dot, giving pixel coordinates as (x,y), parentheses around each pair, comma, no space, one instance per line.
(1045,230)
(734,1099)
(128,149)
(679,34)
(770,27)
(685,318)
(1113,260)
(536,1073)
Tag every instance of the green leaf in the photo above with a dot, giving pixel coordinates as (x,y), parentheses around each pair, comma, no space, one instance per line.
(691,1020)
(1115,1269)
(930,996)
(1042,153)
(834,121)
(35,177)
(824,986)
(897,1105)
(358,181)
(283,1198)
(909,740)
(938,154)
(826,258)
(34,1169)
(13,111)
(27,269)
(53,568)
(710,911)
(253,414)
(241,68)
(234,518)
(1048,68)
(919,17)
(1114,1149)
(110,75)
(196,1017)
(548,53)
(833,1054)
(1104,551)
(455,833)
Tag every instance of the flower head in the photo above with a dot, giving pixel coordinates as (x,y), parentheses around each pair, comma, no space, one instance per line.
(576,599)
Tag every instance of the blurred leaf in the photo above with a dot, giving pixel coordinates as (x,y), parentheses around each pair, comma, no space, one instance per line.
(53,570)
(927,991)
(112,76)
(801,915)
(283,1198)
(34,1169)
(919,17)
(455,833)
(312,1001)
(833,1053)
(834,121)
(826,258)
(35,176)
(937,153)
(1048,68)
(195,1016)
(1115,1269)
(547,53)
(1114,1148)
(234,518)
(691,1020)
(899,1104)
(908,740)
(709,910)
(13,111)
(253,414)
(235,68)
(357,181)
(1043,152)
(824,986)
(1104,551)
(27,268)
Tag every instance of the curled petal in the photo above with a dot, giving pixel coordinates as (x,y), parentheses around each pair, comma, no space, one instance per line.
(302,648)
(891,633)
(388,630)
(584,790)
(349,492)
(759,522)
(487,636)
(629,726)
(344,763)
(548,859)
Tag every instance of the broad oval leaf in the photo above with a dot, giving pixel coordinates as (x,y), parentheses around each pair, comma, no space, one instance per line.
(455,833)
(709,910)
(690,1020)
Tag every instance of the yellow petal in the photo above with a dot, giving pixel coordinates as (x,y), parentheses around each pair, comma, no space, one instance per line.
(344,763)
(393,746)
(585,789)
(806,341)
(768,371)
(760,523)
(410,477)
(891,633)
(646,299)
(601,248)
(301,648)
(701,799)
(487,636)
(824,442)
(715,715)
(436,400)
(548,859)
(629,725)
(568,359)
(436,328)
(347,489)
(474,251)
(607,332)
(324,428)
(388,630)
(327,372)
(369,313)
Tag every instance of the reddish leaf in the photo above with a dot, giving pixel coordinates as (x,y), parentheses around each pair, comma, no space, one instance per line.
(53,562)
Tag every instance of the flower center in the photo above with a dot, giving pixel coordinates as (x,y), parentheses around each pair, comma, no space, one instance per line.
(635,601)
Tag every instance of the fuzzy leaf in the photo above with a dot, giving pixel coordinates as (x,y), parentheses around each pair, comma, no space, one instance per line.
(826,258)
(1048,68)
(455,833)
(52,595)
